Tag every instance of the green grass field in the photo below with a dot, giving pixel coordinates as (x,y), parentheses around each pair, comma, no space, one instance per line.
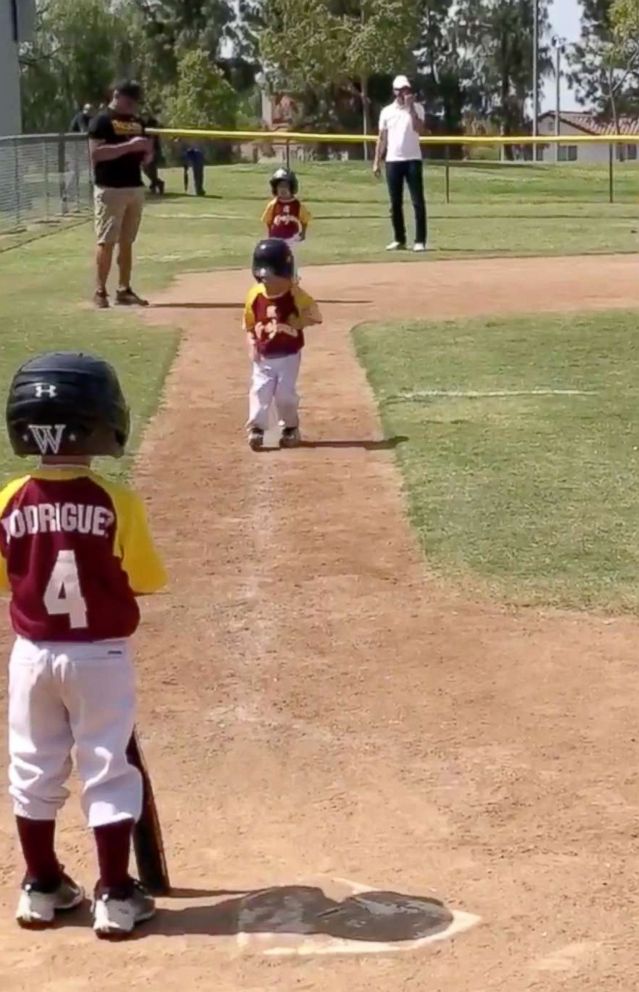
(531,495)
(522,464)
(525,210)
(520,210)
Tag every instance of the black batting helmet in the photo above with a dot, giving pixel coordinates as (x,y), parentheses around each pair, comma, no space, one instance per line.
(67,403)
(283,175)
(273,257)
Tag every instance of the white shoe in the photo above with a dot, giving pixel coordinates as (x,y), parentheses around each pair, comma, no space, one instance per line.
(38,909)
(419,246)
(115,918)
(396,246)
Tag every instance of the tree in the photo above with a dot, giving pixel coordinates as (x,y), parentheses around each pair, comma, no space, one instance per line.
(201,98)
(445,61)
(76,53)
(497,36)
(624,20)
(606,60)
(338,43)
(161,31)
(611,66)
(380,36)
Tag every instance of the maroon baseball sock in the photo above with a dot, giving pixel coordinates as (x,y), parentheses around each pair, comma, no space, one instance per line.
(113,842)
(37,839)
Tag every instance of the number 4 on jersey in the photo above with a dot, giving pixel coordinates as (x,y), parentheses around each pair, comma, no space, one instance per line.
(63,595)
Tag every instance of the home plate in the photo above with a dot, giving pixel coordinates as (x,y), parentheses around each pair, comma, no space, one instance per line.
(338,916)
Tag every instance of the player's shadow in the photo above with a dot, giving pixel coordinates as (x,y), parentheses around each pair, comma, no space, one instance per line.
(196,306)
(384,917)
(385,444)
(237,306)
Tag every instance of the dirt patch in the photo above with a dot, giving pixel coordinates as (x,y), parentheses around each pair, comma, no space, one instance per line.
(314,704)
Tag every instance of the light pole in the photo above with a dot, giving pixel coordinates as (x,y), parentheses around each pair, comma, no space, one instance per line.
(535,123)
(559,45)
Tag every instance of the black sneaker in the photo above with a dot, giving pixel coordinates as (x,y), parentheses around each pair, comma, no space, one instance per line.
(290,437)
(255,439)
(127,298)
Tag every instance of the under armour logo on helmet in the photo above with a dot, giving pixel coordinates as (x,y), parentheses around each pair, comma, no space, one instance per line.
(48,437)
(45,389)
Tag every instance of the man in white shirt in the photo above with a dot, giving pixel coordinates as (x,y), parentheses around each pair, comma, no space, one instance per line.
(400,125)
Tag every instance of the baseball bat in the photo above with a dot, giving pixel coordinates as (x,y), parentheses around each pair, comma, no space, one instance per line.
(148,844)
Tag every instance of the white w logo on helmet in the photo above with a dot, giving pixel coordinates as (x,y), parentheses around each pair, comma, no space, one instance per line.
(48,437)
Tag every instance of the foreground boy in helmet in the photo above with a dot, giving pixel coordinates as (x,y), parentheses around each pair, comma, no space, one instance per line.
(285,217)
(75,552)
(275,315)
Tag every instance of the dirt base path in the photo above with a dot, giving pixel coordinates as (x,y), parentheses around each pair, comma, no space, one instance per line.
(315,706)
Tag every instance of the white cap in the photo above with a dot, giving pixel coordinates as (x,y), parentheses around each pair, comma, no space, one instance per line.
(401,83)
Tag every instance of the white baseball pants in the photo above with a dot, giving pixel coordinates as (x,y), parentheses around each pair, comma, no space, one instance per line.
(274,380)
(294,245)
(66,695)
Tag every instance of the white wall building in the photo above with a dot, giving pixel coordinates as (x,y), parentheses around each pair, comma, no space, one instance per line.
(16,24)
(576,123)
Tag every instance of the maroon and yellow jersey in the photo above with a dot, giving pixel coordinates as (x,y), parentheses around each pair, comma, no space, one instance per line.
(285,219)
(75,551)
(276,323)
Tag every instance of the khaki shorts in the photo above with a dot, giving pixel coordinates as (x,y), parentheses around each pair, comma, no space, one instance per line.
(118,213)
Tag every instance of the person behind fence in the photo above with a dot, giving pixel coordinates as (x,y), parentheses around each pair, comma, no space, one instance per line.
(285,216)
(151,169)
(400,125)
(81,121)
(193,160)
(119,149)
(276,312)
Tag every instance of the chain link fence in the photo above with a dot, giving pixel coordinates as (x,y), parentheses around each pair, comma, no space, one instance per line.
(43,177)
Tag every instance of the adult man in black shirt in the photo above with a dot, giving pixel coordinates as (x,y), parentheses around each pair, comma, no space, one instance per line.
(119,149)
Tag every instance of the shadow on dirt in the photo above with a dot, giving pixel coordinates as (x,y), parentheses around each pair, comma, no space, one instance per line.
(386,444)
(299,909)
(293,910)
(236,306)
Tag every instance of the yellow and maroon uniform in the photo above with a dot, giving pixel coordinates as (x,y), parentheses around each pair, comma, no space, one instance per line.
(75,551)
(277,323)
(285,219)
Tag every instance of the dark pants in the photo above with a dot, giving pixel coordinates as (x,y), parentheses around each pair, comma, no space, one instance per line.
(412,174)
(197,165)
(151,173)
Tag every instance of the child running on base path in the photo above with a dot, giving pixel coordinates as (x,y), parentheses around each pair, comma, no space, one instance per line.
(285,217)
(75,552)
(275,315)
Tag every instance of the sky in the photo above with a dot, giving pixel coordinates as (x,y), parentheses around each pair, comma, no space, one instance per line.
(565,19)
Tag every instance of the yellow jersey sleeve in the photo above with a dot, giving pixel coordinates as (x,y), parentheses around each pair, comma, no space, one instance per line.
(6,495)
(307,307)
(305,216)
(269,210)
(133,543)
(248,319)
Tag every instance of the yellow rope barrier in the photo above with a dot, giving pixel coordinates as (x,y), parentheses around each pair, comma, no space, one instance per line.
(294,137)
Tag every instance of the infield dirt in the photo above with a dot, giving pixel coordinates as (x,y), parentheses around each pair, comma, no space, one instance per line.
(315,705)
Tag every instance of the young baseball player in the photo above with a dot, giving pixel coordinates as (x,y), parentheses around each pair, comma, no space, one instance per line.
(75,552)
(285,216)
(275,315)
